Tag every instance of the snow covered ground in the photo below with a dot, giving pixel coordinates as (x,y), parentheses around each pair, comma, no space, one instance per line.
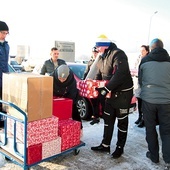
(133,158)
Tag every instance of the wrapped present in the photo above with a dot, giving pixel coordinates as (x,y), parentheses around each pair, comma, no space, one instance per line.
(34,154)
(38,131)
(69,131)
(62,108)
(87,88)
(51,148)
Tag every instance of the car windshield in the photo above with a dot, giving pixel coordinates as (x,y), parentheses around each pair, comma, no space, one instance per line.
(10,68)
(78,70)
(14,63)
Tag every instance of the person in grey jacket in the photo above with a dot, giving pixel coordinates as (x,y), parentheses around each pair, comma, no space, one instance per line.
(50,65)
(154,79)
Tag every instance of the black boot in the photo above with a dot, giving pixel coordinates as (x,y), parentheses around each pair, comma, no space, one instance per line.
(95,120)
(101,148)
(148,155)
(118,152)
(141,124)
(138,120)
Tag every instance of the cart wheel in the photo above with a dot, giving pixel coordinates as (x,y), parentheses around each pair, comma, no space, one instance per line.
(76,151)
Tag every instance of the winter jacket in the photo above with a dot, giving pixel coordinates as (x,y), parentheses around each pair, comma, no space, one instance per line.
(4,57)
(113,66)
(154,77)
(48,66)
(67,89)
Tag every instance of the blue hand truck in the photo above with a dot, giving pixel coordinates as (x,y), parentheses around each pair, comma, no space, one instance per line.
(23,157)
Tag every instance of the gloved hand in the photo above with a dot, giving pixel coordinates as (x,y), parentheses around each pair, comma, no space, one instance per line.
(102,92)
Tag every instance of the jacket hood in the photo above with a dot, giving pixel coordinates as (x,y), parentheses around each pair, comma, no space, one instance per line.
(159,54)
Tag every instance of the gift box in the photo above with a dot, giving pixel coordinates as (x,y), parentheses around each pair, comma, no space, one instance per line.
(69,131)
(51,148)
(62,108)
(87,88)
(38,131)
(34,154)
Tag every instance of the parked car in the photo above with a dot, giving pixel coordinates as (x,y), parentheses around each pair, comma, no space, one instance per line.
(84,104)
(16,66)
(11,69)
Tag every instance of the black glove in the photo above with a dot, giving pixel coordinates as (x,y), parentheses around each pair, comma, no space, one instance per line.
(102,92)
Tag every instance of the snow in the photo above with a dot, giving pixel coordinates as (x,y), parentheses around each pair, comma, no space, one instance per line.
(134,157)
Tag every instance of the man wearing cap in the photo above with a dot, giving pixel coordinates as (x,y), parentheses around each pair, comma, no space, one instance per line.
(91,61)
(95,101)
(113,66)
(64,85)
(4,56)
(51,64)
(154,80)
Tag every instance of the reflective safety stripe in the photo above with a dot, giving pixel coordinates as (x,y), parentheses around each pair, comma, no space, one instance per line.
(120,118)
(107,113)
(127,89)
(123,111)
(124,131)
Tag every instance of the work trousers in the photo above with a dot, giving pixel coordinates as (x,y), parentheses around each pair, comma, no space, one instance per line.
(157,114)
(109,116)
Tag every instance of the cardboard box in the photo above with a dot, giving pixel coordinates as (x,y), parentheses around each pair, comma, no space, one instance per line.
(62,108)
(30,92)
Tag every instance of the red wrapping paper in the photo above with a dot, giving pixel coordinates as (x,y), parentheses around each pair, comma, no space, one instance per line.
(87,88)
(62,108)
(38,131)
(34,154)
(69,131)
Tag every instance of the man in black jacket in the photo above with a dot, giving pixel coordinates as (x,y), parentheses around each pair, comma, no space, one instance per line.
(154,80)
(50,65)
(65,85)
(113,66)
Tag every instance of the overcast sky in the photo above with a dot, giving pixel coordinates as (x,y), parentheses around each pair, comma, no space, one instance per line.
(38,23)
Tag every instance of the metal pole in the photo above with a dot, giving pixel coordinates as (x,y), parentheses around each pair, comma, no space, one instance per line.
(150,25)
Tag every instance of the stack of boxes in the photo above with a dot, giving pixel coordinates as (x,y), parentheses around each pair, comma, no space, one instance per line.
(48,131)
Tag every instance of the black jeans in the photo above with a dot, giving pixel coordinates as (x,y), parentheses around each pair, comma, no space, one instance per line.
(154,114)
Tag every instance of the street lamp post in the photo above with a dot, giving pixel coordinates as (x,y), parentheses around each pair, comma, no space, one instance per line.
(150,24)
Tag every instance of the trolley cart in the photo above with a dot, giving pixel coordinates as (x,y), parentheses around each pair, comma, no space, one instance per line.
(4,142)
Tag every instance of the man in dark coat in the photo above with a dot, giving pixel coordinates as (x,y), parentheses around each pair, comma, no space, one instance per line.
(4,57)
(65,85)
(113,66)
(154,79)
